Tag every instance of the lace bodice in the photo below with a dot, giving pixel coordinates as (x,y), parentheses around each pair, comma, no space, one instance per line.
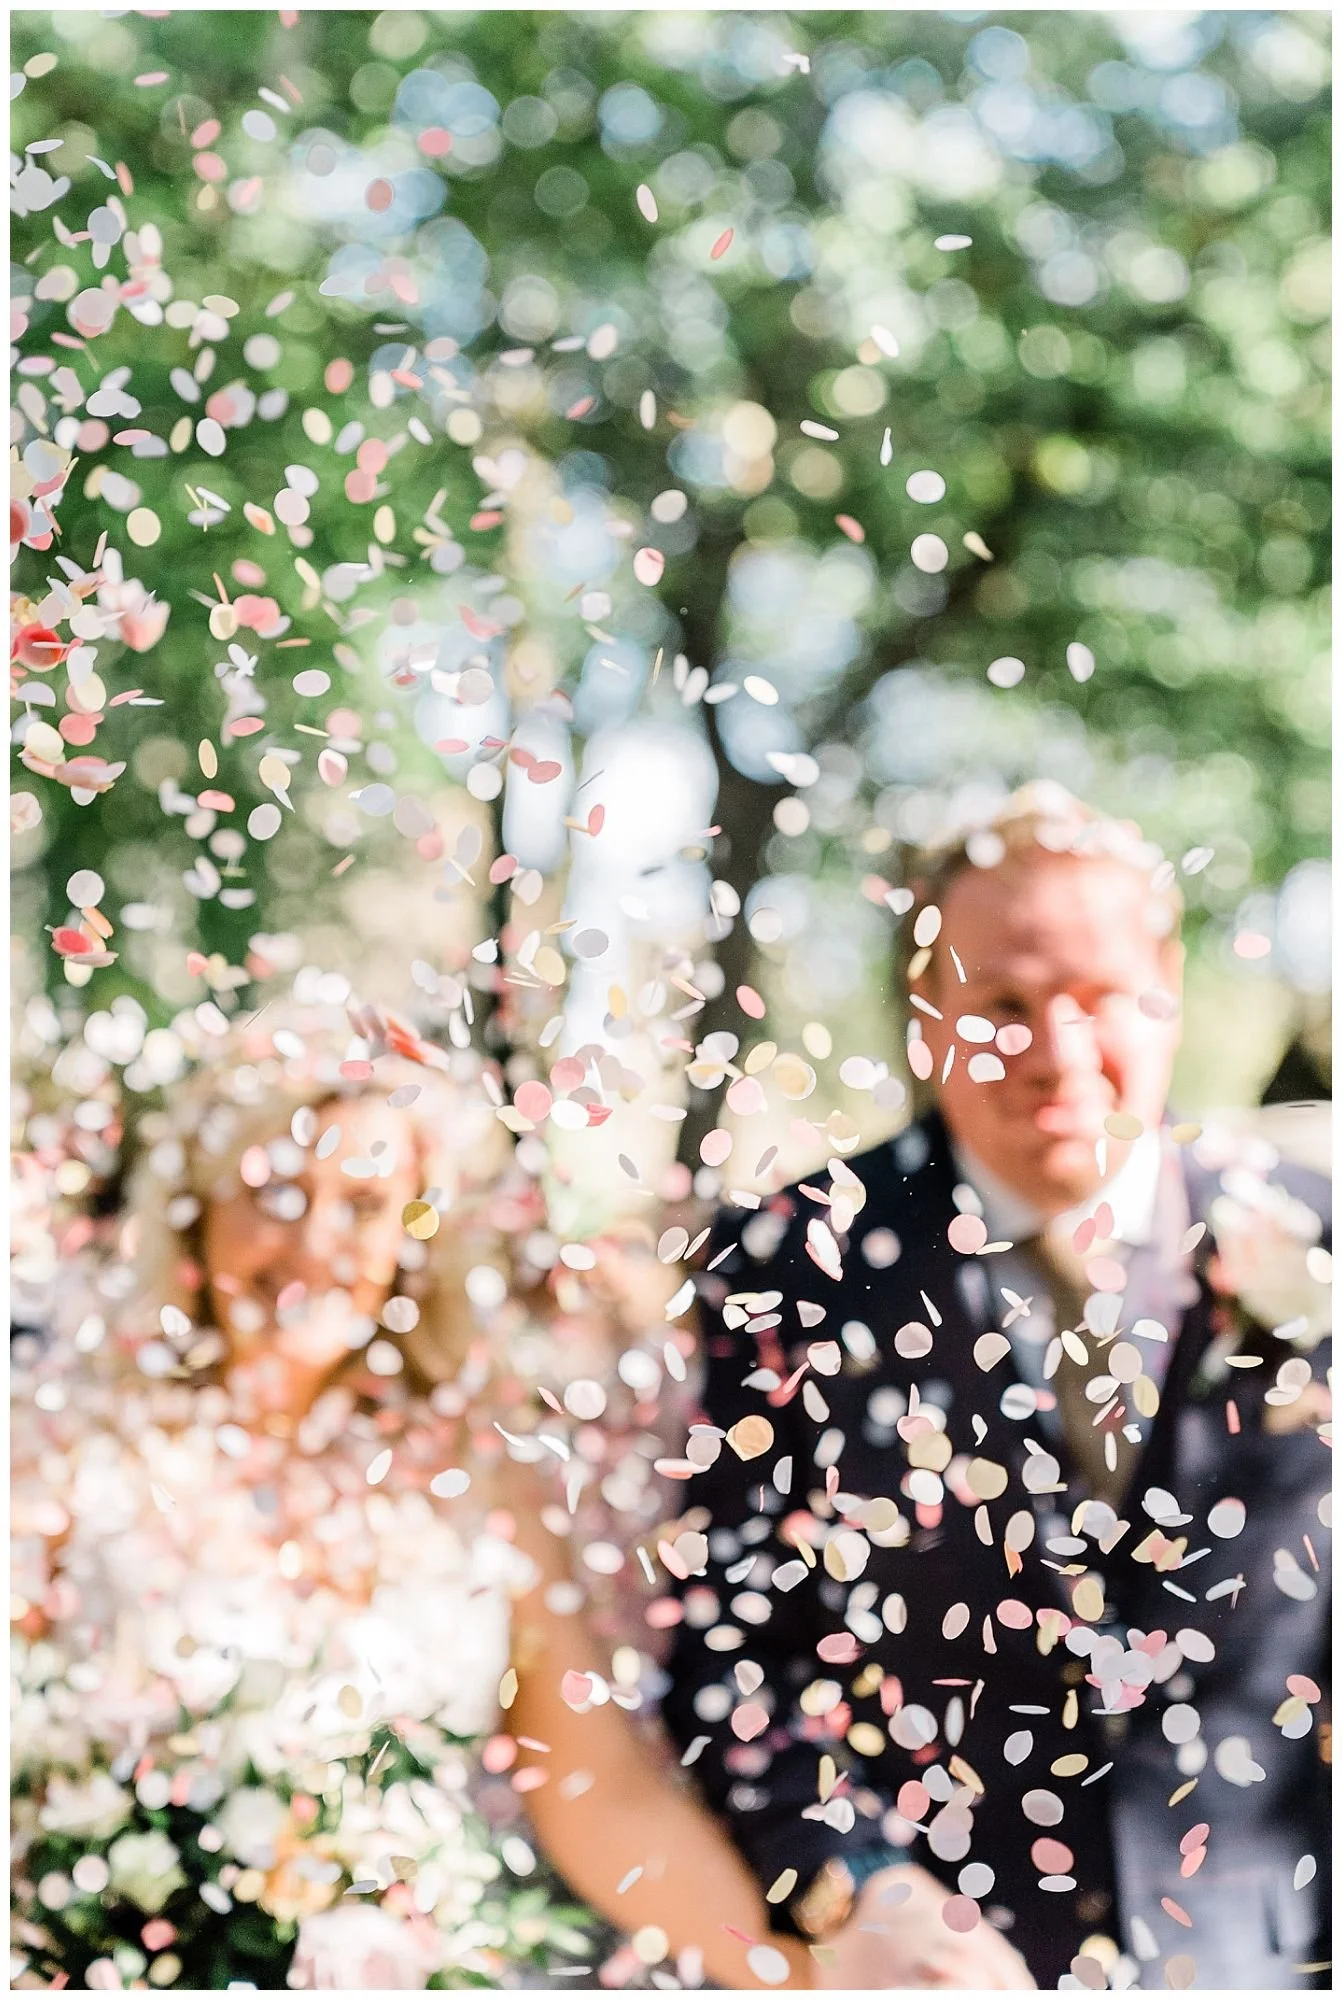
(177,1561)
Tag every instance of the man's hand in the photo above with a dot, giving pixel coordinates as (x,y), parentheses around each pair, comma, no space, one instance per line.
(896,1936)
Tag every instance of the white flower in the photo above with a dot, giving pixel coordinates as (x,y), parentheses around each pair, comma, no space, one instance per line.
(1263,1237)
(357,1947)
(91,1811)
(251,1821)
(144,1869)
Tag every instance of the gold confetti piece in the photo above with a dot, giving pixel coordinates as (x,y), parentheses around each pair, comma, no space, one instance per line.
(508,1688)
(143,526)
(867,1739)
(782,1886)
(933,1450)
(1122,1125)
(1088,1599)
(549,966)
(420,1219)
(817,1040)
(208,758)
(827,1777)
(795,1078)
(350,1702)
(965,1773)
(1184,1135)
(751,1436)
(274,773)
(978,547)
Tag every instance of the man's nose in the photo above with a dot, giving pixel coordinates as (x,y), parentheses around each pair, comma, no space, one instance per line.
(1064,1040)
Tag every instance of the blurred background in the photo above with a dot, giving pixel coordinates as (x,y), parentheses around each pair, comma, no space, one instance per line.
(637,473)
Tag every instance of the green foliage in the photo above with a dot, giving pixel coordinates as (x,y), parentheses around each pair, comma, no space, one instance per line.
(1122,381)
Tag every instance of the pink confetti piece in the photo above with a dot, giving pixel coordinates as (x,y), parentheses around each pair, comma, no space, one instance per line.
(913,1800)
(71,943)
(1051,1857)
(150,77)
(750,1002)
(533,1100)
(967,1234)
(853,529)
(478,627)
(1177,1911)
(723,245)
(750,1720)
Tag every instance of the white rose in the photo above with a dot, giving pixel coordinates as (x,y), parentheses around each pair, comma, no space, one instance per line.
(144,1869)
(1263,1237)
(92,1811)
(358,1947)
(250,1822)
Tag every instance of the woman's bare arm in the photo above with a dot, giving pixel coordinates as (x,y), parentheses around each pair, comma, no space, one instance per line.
(632,1814)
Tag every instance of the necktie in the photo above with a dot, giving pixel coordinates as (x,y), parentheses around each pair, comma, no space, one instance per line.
(1064,1275)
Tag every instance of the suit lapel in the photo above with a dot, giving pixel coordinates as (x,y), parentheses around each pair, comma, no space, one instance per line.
(962,1290)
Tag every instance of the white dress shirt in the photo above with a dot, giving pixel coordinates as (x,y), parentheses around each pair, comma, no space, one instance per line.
(1131,1193)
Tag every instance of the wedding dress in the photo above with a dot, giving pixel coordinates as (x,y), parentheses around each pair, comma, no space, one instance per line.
(287,1646)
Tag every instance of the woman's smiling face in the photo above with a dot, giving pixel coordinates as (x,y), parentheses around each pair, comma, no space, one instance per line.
(322,1229)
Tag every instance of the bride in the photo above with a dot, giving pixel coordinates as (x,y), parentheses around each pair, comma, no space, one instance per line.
(294,1639)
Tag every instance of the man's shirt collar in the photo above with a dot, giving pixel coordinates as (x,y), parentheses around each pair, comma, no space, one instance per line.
(1131,1193)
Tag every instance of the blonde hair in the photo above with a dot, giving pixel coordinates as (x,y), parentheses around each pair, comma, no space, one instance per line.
(1039,817)
(247,1093)
(1042,817)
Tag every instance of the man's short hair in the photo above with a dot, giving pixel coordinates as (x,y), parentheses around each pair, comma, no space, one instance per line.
(1041,815)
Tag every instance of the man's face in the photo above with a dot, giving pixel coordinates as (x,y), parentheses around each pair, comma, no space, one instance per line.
(1062,947)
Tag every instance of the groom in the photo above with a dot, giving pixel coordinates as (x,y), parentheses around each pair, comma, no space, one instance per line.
(1007,1645)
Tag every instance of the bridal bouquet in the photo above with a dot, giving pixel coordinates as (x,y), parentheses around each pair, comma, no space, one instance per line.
(272,1884)
(251,1686)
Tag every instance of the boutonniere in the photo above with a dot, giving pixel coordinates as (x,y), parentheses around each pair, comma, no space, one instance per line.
(1269,1279)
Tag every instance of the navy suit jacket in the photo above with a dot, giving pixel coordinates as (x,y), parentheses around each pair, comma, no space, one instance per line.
(957,1669)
